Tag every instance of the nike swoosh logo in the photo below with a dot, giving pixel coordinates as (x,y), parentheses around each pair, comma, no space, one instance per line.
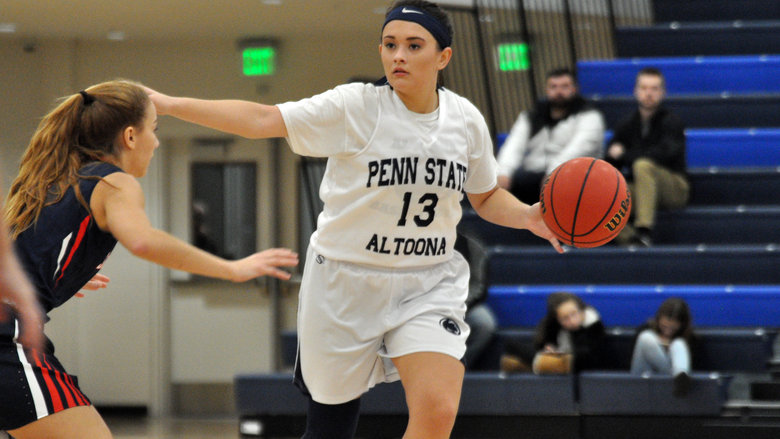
(410,11)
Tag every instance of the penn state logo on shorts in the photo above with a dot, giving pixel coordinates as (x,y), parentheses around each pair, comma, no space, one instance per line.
(450,326)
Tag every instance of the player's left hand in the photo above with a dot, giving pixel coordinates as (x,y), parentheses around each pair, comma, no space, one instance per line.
(537,226)
(97,282)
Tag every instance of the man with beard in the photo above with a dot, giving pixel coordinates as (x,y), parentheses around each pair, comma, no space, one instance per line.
(561,127)
(649,149)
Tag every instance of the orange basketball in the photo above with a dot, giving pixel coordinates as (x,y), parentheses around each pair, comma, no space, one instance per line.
(585,202)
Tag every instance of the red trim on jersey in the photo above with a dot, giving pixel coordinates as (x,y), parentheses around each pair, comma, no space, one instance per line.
(56,401)
(79,237)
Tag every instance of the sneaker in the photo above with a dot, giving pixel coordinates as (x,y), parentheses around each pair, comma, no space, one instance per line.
(642,237)
(682,384)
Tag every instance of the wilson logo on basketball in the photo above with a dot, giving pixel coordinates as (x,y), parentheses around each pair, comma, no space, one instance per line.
(620,215)
(543,205)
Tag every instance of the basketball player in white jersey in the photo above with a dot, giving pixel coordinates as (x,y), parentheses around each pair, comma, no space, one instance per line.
(383,292)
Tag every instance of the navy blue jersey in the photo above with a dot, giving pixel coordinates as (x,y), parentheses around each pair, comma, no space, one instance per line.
(64,249)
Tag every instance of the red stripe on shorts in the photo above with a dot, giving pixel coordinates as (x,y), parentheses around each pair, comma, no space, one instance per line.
(67,386)
(65,389)
(82,400)
(56,401)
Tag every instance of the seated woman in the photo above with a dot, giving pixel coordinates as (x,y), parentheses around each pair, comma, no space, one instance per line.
(663,344)
(569,338)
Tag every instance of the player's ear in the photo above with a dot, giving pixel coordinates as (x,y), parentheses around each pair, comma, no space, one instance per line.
(128,137)
(444,57)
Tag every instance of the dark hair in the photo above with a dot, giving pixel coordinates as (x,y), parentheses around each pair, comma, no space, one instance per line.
(549,323)
(430,8)
(562,71)
(675,309)
(652,71)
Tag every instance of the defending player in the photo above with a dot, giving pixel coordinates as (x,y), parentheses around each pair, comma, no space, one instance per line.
(383,292)
(17,294)
(76,196)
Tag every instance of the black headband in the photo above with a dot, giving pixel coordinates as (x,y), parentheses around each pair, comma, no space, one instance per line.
(424,19)
(88,98)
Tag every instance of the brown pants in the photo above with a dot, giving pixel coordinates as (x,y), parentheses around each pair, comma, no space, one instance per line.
(654,187)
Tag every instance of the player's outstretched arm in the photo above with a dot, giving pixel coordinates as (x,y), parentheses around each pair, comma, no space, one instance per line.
(243,118)
(500,207)
(17,291)
(118,206)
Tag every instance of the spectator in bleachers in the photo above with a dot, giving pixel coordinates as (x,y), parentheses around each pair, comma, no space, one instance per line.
(571,331)
(649,149)
(561,127)
(479,316)
(663,344)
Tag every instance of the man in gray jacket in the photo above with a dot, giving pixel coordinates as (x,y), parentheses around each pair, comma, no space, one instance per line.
(561,127)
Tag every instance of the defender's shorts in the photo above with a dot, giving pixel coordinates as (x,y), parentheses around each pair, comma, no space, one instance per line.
(352,319)
(33,384)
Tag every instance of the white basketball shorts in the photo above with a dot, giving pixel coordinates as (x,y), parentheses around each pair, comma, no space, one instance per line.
(353,319)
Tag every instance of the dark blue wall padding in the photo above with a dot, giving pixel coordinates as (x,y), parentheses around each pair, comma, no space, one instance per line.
(264,395)
(520,394)
(715,10)
(693,39)
(684,75)
(661,265)
(739,186)
(620,393)
(733,147)
(268,394)
(631,305)
(712,111)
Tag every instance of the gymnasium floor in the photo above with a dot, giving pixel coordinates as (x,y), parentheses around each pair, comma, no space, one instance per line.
(170,428)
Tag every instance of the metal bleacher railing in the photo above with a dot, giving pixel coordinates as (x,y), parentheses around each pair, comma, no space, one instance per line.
(504,48)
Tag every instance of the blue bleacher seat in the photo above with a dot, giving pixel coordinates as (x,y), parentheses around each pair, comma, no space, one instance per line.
(714,10)
(724,349)
(718,225)
(723,148)
(713,265)
(632,304)
(733,147)
(709,111)
(487,233)
(734,186)
(735,224)
(698,38)
(747,74)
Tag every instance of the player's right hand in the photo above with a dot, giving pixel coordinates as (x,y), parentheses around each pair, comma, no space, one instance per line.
(159,100)
(265,263)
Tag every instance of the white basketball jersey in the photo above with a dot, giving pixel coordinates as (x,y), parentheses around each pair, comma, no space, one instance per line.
(394,179)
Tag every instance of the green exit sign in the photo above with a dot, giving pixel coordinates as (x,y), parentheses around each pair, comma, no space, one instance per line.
(513,57)
(259,61)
